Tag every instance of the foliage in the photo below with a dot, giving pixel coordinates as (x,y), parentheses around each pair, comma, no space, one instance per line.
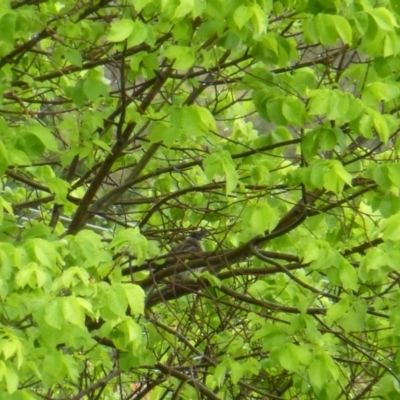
(127,124)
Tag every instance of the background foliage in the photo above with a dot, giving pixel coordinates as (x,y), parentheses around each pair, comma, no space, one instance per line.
(127,124)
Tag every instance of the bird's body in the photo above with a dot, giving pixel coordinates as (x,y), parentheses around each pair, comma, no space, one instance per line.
(192,244)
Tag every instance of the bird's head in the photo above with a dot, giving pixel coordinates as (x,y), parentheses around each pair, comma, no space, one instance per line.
(198,235)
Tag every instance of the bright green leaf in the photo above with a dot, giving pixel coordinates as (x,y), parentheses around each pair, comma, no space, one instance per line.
(384,19)
(237,371)
(348,274)
(343,28)
(135,296)
(184,8)
(73,311)
(74,57)
(121,30)
(391,228)
(220,372)
(337,310)
(242,15)
(12,378)
(293,110)
(3,158)
(288,358)
(183,57)
(138,35)
(54,313)
(45,136)
(317,373)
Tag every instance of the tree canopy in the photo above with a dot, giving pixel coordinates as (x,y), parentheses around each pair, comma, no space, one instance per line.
(271,127)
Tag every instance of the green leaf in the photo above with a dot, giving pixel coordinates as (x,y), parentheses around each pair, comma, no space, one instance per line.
(70,274)
(319,101)
(53,366)
(335,176)
(293,110)
(207,120)
(326,29)
(288,358)
(220,372)
(60,188)
(237,371)
(102,145)
(242,15)
(86,244)
(135,296)
(132,333)
(259,289)
(221,163)
(73,311)
(380,174)
(85,304)
(184,57)
(212,279)
(133,240)
(140,4)
(337,310)
(348,274)
(54,313)
(338,107)
(260,16)
(121,30)
(45,136)
(3,158)
(304,354)
(7,23)
(24,276)
(12,378)
(311,30)
(380,125)
(184,8)
(77,94)
(74,57)
(138,35)
(383,18)
(317,373)
(231,174)
(275,110)
(72,367)
(310,143)
(8,348)
(2,369)
(1,212)
(380,91)
(343,28)
(314,175)
(113,301)
(331,366)
(391,228)
(335,104)
(341,172)
(93,88)
(162,132)
(259,218)
(393,171)
(387,388)
(44,251)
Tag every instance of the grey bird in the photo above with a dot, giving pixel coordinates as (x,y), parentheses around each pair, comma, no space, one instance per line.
(192,244)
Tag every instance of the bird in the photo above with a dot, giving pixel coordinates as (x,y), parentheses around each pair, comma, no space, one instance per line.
(192,244)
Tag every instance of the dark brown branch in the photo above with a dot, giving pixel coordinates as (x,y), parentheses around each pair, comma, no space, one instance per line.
(100,383)
(207,393)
